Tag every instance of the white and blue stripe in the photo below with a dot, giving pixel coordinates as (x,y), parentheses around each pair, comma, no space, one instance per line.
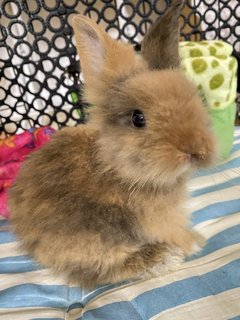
(206,287)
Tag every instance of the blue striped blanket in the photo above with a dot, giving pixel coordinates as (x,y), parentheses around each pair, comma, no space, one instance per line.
(206,287)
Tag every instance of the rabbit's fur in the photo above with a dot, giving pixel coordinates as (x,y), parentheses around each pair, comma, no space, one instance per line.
(104,202)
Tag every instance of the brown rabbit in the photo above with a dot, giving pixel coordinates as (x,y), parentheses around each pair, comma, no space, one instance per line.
(104,202)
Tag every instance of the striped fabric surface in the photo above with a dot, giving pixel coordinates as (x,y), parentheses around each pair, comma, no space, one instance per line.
(206,287)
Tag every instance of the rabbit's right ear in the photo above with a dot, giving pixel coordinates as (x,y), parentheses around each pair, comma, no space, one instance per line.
(160,44)
(91,45)
(103,60)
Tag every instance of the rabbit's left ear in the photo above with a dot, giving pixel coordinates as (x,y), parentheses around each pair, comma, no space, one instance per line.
(160,44)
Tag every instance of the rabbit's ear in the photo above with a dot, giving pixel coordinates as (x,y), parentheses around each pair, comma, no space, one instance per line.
(91,43)
(160,44)
(101,57)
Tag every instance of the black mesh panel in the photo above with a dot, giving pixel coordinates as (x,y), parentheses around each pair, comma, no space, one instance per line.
(39,70)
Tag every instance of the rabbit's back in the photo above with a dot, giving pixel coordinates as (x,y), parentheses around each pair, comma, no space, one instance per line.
(46,173)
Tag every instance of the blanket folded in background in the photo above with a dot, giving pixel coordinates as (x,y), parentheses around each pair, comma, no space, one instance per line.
(211,67)
(13,151)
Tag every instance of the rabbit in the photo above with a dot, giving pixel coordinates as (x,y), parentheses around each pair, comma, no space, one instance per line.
(104,202)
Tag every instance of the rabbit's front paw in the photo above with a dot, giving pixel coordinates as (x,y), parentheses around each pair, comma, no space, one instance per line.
(190,241)
(198,242)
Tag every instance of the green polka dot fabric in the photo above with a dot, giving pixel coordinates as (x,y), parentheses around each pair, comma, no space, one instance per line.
(211,67)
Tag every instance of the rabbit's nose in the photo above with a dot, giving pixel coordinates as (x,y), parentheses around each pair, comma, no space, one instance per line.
(193,154)
(193,157)
(197,156)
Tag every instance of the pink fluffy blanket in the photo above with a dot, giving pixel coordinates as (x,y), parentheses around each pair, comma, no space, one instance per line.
(13,151)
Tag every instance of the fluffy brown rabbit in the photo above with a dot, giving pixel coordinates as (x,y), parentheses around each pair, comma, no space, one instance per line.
(104,202)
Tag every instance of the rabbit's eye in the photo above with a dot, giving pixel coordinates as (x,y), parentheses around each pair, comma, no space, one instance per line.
(138,119)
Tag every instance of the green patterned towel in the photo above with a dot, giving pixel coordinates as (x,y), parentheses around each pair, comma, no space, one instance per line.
(211,67)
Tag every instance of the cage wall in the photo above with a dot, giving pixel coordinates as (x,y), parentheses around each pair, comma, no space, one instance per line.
(40,80)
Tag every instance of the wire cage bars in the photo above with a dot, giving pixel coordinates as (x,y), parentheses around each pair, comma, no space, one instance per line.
(40,79)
